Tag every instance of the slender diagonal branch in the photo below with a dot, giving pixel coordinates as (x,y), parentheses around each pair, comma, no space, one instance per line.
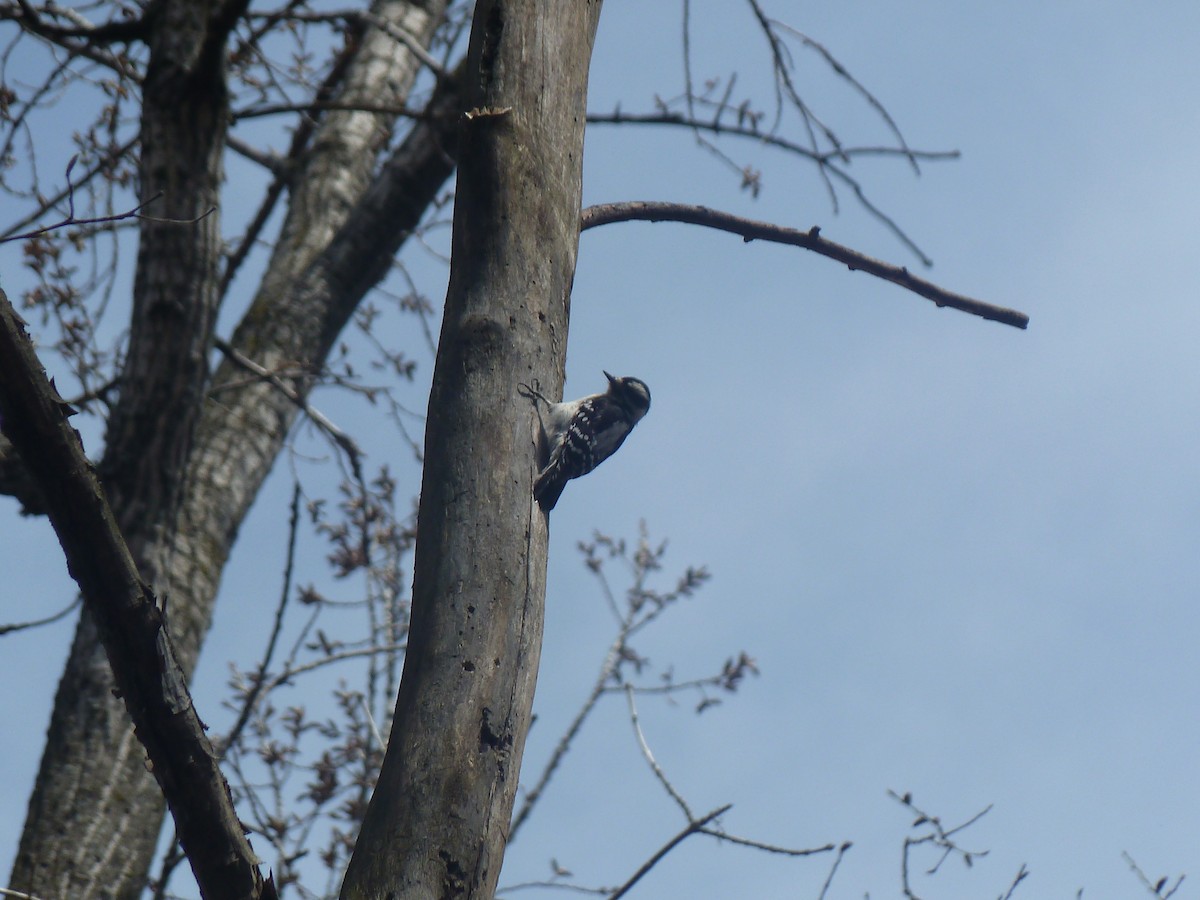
(611,661)
(108,161)
(752,230)
(133,213)
(115,30)
(38,623)
(692,828)
(132,626)
(259,678)
(336,434)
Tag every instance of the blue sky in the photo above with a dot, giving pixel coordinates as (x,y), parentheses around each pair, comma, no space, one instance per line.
(964,556)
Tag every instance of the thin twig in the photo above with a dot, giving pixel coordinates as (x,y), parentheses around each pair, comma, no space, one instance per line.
(752,230)
(722,835)
(781,57)
(555,885)
(688,92)
(1156,889)
(531,797)
(122,30)
(339,437)
(272,109)
(692,828)
(653,763)
(371,722)
(939,836)
(1022,874)
(665,117)
(37,623)
(170,862)
(134,213)
(334,657)
(259,678)
(272,162)
(391,29)
(17,895)
(837,861)
(842,71)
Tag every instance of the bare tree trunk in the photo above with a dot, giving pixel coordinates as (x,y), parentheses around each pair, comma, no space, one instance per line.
(438,821)
(95,812)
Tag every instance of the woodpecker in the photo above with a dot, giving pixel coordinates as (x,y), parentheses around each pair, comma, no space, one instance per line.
(583,433)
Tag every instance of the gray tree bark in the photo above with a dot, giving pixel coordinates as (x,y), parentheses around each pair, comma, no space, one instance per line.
(438,821)
(181,473)
(95,812)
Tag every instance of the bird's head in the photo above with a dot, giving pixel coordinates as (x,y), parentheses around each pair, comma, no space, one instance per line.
(631,393)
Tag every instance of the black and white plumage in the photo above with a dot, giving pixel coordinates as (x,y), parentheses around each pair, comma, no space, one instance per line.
(583,433)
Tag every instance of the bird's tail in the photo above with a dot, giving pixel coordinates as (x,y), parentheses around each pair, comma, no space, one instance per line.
(548,488)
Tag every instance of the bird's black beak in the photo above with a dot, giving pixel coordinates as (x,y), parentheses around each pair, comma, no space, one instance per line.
(609,377)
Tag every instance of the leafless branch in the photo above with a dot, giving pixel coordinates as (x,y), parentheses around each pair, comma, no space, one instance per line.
(689,92)
(555,885)
(107,161)
(170,862)
(1021,875)
(1161,888)
(785,88)
(38,623)
(530,797)
(272,162)
(116,30)
(272,109)
(293,671)
(753,230)
(716,126)
(722,835)
(134,213)
(131,624)
(352,16)
(693,827)
(818,142)
(636,615)
(844,73)
(651,761)
(336,434)
(701,826)
(837,861)
(16,895)
(258,679)
(939,837)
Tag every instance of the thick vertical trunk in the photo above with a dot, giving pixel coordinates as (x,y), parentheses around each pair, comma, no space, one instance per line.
(438,822)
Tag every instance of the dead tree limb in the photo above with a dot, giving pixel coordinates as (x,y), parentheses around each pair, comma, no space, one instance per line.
(753,230)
